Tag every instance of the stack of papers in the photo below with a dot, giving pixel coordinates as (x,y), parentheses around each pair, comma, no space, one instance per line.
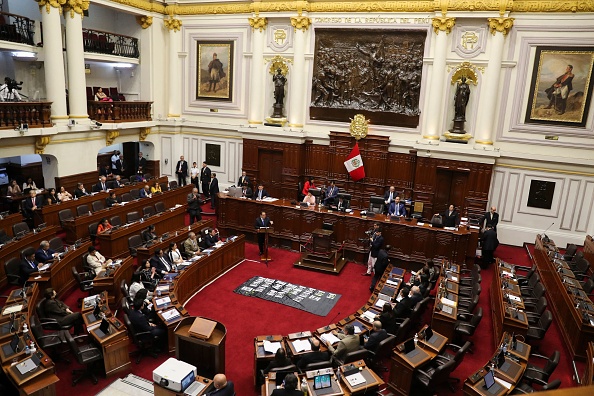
(355,379)
(271,347)
(171,314)
(302,345)
(357,329)
(12,309)
(44,267)
(447,301)
(330,338)
(162,288)
(514,298)
(392,282)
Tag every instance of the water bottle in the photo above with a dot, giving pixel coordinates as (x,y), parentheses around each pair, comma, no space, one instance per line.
(27,350)
(158,292)
(33,349)
(304,386)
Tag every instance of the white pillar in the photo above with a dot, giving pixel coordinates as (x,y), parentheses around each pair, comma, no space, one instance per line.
(485,124)
(256,106)
(297,99)
(434,105)
(77,95)
(174,109)
(55,82)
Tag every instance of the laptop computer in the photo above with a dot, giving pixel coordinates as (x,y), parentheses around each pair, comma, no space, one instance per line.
(408,346)
(489,379)
(323,384)
(12,347)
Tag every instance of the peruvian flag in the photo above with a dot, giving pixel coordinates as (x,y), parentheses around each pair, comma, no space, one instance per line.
(354,164)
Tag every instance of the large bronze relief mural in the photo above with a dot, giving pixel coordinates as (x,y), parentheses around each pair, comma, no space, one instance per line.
(370,71)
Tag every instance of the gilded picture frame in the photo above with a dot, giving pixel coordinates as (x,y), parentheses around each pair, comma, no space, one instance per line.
(214,80)
(561,86)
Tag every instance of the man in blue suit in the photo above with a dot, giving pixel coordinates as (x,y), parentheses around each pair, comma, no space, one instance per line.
(396,208)
(331,193)
(222,386)
(44,253)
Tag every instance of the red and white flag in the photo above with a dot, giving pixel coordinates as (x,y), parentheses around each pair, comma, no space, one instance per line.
(354,164)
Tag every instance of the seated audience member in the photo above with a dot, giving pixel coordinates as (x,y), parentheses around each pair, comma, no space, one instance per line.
(102,184)
(308,184)
(117,183)
(260,193)
(104,226)
(137,285)
(29,266)
(390,196)
(105,171)
(96,261)
(396,208)
(315,356)
(309,199)
(56,309)
(404,306)
(64,195)
(14,189)
(349,342)
(450,217)
(31,204)
(222,386)
(149,234)
(29,184)
(44,254)
(52,197)
(280,360)
(191,244)
(246,192)
(156,188)
(343,204)
(174,254)
(145,192)
(376,336)
(139,176)
(149,276)
(161,263)
(211,238)
(289,388)
(80,191)
(432,270)
(141,323)
(112,200)
(420,279)
(243,179)
(101,96)
(387,318)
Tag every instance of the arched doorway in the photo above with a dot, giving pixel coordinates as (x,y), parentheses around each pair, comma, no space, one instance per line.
(130,152)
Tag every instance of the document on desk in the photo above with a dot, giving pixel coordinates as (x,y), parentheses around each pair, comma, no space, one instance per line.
(163,301)
(302,345)
(380,303)
(330,338)
(12,309)
(369,316)
(44,267)
(271,347)
(170,314)
(503,383)
(162,288)
(355,379)
(392,282)
(514,298)
(26,366)
(357,329)
(447,301)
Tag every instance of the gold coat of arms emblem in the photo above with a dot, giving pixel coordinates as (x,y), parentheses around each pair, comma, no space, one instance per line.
(359,126)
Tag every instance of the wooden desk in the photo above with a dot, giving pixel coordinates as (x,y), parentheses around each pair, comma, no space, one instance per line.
(404,366)
(409,241)
(504,317)
(575,332)
(13,249)
(588,378)
(115,243)
(372,380)
(7,222)
(261,357)
(115,349)
(589,251)
(443,321)
(111,283)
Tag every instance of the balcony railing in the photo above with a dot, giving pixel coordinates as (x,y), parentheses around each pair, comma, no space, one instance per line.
(35,114)
(110,43)
(119,111)
(16,28)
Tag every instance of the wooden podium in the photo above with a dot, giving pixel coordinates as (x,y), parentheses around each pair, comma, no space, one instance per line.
(323,258)
(265,230)
(208,355)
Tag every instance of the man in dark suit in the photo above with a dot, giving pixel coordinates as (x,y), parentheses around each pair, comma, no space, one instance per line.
(31,204)
(56,309)
(244,178)
(450,217)
(80,191)
(28,266)
(404,306)
(117,183)
(120,164)
(44,254)
(262,221)
(205,179)
(380,266)
(105,171)
(376,336)
(211,238)
(181,170)
(289,387)
(140,162)
(342,204)
(376,241)
(415,296)
(314,356)
(489,244)
(111,200)
(491,219)
(331,193)
(140,322)
(222,386)
(213,189)
(396,208)
(161,263)
(389,197)
(149,234)
(102,184)
(246,191)
(260,193)
(194,206)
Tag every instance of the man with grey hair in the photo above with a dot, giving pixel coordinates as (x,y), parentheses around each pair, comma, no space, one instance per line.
(44,254)
(376,336)
(191,244)
(349,342)
(194,203)
(415,295)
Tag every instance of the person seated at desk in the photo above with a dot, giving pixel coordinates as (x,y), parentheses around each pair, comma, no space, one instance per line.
(117,183)
(161,263)
(243,179)
(349,342)
(105,171)
(191,244)
(112,200)
(246,192)
(64,195)
(29,184)
(14,189)
(404,306)
(28,266)
(420,279)
(149,234)
(342,204)
(309,199)
(149,276)
(260,193)
(31,204)
(387,318)
(450,217)
(416,296)
(289,388)
(96,261)
(145,192)
(174,255)
(222,386)
(376,336)
(308,184)
(280,360)
(314,356)
(103,226)
(141,323)
(139,176)
(56,309)
(211,238)
(331,193)
(44,254)
(102,184)
(156,188)
(52,198)
(136,286)
(390,196)
(396,208)
(80,191)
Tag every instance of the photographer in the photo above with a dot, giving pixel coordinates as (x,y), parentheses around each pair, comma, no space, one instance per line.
(9,90)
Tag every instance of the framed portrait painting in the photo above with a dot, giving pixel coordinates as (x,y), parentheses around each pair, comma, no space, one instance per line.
(215,70)
(561,86)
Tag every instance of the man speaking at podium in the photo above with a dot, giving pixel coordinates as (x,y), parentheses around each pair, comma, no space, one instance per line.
(262,221)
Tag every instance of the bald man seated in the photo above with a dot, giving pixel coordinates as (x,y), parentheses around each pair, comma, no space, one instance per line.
(222,386)
(377,335)
(315,356)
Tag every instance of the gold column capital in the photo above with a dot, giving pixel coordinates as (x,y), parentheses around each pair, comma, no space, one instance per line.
(144,132)
(173,24)
(300,22)
(258,22)
(144,21)
(76,6)
(51,3)
(443,24)
(110,136)
(40,143)
(501,25)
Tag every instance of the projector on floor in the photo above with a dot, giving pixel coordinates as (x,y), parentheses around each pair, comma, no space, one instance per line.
(174,375)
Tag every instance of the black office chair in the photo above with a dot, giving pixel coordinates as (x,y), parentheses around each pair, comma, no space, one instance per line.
(300,195)
(402,330)
(467,329)
(115,221)
(537,292)
(85,285)
(535,311)
(570,251)
(475,277)
(538,331)
(134,242)
(418,311)
(3,236)
(525,388)
(159,207)
(13,271)
(21,227)
(143,340)
(127,197)
(148,210)
(538,374)
(383,351)
(588,286)
(26,252)
(132,216)
(124,181)
(135,193)
(65,215)
(431,381)
(86,355)
(147,176)
(359,354)
(376,205)
(164,186)
(125,305)
(82,210)
(466,312)
(580,268)
(527,288)
(48,340)
(93,231)
(56,244)
(125,289)
(172,185)
(317,366)
(522,280)
(49,323)
(97,206)
(457,358)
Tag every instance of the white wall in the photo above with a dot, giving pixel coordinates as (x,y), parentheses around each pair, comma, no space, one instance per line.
(29,9)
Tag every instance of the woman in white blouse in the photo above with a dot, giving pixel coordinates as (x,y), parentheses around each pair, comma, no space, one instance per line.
(64,195)
(174,255)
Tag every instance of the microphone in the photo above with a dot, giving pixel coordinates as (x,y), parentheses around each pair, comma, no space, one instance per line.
(548,228)
(335,316)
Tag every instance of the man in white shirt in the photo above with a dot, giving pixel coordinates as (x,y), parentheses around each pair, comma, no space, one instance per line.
(96,261)
(114,159)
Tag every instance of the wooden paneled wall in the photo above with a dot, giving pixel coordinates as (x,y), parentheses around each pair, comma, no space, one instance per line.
(416,177)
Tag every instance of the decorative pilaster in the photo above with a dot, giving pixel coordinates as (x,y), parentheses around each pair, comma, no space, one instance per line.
(40,143)
(259,23)
(76,7)
(500,25)
(143,133)
(256,110)
(54,61)
(174,74)
(300,23)
(443,24)
(297,100)
(144,21)
(77,96)
(111,136)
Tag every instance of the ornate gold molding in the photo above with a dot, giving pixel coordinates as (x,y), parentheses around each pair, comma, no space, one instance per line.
(40,143)
(466,70)
(144,132)
(501,25)
(51,3)
(76,6)
(278,62)
(300,22)
(173,24)
(110,136)
(258,23)
(484,142)
(443,24)
(144,21)
(359,126)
